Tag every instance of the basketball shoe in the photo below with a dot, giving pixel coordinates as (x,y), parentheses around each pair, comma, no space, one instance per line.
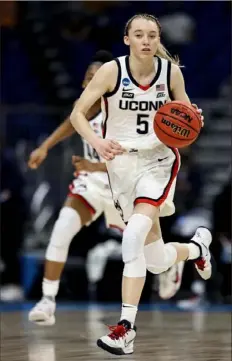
(170,281)
(43,312)
(203,238)
(121,339)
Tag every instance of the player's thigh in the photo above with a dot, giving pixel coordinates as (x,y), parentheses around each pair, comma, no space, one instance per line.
(78,205)
(147,209)
(85,198)
(155,233)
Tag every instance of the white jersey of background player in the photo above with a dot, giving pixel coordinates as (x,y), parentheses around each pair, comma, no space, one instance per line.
(141,170)
(89,197)
(91,154)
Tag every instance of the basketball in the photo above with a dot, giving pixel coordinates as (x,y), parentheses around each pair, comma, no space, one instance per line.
(177,124)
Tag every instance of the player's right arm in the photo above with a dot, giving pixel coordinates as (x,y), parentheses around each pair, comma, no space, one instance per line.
(103,81)
(38,155)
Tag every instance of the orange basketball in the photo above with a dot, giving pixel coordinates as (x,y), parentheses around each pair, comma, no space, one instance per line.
(177,124)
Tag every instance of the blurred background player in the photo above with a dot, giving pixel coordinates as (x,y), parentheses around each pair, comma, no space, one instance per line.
(88,198)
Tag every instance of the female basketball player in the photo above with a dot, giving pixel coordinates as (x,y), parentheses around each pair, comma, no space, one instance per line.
(89,196)
(142,170)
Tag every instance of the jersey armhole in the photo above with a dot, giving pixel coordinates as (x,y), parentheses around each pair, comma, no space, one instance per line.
(114,91)
(169,81)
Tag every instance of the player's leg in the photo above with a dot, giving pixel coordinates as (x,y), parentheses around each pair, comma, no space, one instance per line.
(158,188)
(121,340)
(80,208)
(169,282)
(72,217)
(160,257)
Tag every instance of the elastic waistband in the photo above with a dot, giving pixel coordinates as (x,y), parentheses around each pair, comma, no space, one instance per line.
(158,149)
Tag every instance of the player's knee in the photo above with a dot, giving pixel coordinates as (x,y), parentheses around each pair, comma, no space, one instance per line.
(134,237)
(159,256)
(65,228)
(135,268)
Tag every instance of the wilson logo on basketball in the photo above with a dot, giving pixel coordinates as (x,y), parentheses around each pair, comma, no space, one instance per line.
(181,114)
(176,129)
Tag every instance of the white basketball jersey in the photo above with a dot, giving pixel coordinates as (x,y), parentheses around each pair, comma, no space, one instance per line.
(91,154)
(130,108)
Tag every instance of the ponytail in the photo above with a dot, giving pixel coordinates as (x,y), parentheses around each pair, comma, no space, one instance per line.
(162,52)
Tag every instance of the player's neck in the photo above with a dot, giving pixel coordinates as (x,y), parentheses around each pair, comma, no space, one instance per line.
(141,67)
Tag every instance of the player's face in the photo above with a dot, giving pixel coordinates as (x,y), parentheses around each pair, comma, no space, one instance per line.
(92,69)
(143,38)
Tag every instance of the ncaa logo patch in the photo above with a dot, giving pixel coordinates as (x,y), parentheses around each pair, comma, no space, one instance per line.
(125,81)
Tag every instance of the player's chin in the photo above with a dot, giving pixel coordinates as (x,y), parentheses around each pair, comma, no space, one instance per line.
(146,54)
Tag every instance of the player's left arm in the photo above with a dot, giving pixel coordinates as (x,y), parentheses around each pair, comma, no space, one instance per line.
(177,85)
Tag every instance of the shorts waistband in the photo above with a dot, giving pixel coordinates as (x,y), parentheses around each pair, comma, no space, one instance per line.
(157,149)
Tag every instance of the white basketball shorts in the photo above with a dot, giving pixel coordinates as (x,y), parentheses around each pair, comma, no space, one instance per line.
(143,176)
(97,197)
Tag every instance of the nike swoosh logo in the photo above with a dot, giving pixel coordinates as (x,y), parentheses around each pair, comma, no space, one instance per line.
(127,90)
(128,343)
(160,159)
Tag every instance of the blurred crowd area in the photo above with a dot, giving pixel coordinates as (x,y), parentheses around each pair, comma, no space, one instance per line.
(46,48)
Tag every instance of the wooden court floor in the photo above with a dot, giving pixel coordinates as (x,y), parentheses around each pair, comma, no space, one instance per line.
(162,336)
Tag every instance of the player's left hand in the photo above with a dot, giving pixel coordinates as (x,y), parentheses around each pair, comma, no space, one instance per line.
(200,113)
(82,164)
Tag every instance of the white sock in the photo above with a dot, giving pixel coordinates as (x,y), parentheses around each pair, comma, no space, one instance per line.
(129,313)
(194,251)
(50,288)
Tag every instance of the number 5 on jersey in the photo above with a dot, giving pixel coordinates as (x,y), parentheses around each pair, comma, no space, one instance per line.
(142,124)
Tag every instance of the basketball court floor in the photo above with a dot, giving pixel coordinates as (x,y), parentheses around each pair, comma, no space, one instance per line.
(164,334)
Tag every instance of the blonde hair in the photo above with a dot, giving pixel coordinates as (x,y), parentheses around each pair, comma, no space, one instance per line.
(162,52)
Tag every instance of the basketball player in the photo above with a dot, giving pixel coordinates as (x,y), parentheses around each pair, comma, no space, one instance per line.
(142,170)
(88,198)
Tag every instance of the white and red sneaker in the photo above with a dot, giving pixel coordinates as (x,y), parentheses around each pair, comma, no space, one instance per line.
(170,281)
(121,339)
(203,238)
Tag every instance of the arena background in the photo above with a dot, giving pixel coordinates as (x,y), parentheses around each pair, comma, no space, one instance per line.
(46,47)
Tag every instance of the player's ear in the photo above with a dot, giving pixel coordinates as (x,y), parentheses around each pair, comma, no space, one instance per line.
(126,40)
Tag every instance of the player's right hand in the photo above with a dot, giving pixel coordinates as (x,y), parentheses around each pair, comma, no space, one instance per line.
(108,148)
(37,157)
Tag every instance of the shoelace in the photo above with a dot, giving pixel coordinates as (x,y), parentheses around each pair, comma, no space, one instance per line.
(117,332)
(201,264)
